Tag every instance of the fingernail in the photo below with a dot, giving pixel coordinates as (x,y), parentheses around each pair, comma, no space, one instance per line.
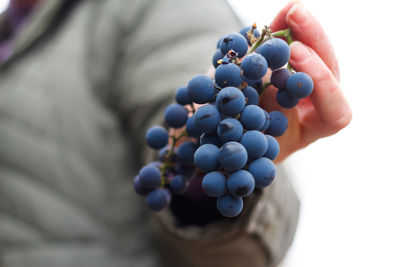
(299,51)
(297,14)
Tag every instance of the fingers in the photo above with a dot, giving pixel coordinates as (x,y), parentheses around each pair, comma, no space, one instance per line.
(306,28)
(279,22)
(327,98)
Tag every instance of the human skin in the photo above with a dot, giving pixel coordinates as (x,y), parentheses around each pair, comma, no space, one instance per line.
(325,111)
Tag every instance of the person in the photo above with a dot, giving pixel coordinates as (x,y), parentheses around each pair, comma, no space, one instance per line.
(81,81)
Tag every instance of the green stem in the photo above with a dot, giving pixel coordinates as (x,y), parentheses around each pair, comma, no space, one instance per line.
(258,42)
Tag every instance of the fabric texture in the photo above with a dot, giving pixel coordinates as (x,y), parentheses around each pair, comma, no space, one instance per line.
(74,107)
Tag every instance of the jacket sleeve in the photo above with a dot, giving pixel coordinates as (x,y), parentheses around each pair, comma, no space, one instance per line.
(168,42)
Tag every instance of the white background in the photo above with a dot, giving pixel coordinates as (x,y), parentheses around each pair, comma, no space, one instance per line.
(349,183)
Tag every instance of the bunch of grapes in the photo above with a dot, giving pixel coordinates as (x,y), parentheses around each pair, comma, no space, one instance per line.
(217,130)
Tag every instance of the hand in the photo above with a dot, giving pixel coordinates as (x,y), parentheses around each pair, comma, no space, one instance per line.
(326,110)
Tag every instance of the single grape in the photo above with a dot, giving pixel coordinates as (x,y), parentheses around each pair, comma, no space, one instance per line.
(207,118)
(252,117)
(150,177)
(217,56)
(232,156)
(273,148)
(182,97)
(299,85)
(254,66)
(200,89)
(228,75)
(214,184)
(235,42)
(210,138)
(279,78)
(240,183)
(230,101)
(157,137)
(158,199)
(137,186)
(186,151)
(275,51)
(179,184)
(229,205)
(255,143)
(192,129)
(278,125)
(230,130)
(251,94)
(245,30)
(266,123)
(263,171)
(206,158)
(175,115)
(285,100)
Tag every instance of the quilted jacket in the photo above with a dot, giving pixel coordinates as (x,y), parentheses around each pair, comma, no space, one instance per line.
(85,81)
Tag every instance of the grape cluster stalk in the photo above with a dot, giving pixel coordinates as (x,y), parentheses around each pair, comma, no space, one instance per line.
(228,140)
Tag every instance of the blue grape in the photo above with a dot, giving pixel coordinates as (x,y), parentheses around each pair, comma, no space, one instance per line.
(158,199)
(214,184)
(251,94)
(256,84)
(266,123)
(279,78)
(273,148)
(230,130)
(192,129)
(185,153)
(255,143)
(230,101)
(200,89)
(184,170)
(254,66)
(210,138)
(179,184)
(229,205)
(206,158)
(138,187)
(235,42)
(252,117)
(157,137)
(182,97)
(278,125)
(175,115)
(275,51)
(232,156)
(299,85)
(207,118)
(150,177)
(217,56)
(285,100)
(263,171)
(245,30)
(240,183)
(228,75)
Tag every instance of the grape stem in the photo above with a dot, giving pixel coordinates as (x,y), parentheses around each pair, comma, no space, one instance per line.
(168,162)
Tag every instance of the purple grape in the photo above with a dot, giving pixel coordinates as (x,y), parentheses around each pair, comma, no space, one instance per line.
(252,117)
(255,143)
(158,199)
(275,51)
(263,171)
(251,94)
(200,89)
(230,130)
(157,137)
(235,42)
(279,78)
(207,118)
(175,115)
(206,158)
(182,97)
(230,101)
(149,177)
(285,100)
(273,148)
(278,125)
(229,205)
(232,156)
